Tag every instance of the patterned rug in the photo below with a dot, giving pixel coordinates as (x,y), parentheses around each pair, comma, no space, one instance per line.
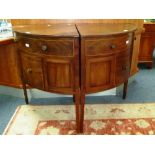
(100,119)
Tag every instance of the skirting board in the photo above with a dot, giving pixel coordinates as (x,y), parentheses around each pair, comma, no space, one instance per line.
(35,93)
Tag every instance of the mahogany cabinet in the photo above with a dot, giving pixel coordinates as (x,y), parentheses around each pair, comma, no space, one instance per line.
(147,45)
(77,60)
(49,59)
(9,73)
(106,52)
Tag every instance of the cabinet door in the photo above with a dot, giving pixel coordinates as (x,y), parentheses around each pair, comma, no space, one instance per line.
(59,75)
(32,70)
(100,73)
(122,68)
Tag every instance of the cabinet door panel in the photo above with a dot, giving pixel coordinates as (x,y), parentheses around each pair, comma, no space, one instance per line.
(32,70)
(59,75)
(100,73)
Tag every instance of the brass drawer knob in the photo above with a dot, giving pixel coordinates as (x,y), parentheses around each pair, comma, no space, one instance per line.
(29,70)
(113,46)
(44,47)
(127,41)
(27,45)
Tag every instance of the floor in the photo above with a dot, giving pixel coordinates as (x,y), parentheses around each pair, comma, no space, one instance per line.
(141,90)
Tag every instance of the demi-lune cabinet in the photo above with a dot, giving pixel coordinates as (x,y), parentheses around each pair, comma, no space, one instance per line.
(106,52)
(49,59)
(75,59)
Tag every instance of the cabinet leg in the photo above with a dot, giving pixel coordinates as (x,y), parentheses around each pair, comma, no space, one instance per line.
(125,89)
(82,105)
(74,98)
(77,109)
(25,94)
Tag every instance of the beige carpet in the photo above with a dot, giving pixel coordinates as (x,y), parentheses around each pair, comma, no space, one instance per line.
(100,119)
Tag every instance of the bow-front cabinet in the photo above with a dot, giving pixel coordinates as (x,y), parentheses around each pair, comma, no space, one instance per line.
(75,59)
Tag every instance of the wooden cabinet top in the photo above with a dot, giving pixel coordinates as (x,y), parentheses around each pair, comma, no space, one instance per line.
(48,30)
(104,29)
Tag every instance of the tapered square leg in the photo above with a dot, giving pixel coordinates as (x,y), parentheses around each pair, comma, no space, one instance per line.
(82,106)
(77,109)
(25,93)
(125,89)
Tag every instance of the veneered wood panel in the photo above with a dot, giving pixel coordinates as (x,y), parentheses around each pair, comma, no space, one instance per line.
(9,74)
(100,73)
(32,70)
(147,43)
(59,75)
(97,46)
(59,47)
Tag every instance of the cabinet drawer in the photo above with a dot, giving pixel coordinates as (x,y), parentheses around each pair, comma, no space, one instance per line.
(122,68)
(52,47)
(106,45)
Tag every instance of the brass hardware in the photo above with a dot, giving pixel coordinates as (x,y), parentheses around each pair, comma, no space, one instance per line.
(113,46)
(44,47)
(29,70)
(27,45)
(127,41)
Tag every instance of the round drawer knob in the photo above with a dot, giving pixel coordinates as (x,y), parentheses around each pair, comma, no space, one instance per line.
(44,47)
(27,45)
(29,70)
(113,46)
(127,41)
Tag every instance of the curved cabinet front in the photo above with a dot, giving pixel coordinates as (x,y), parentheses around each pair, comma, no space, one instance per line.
(106,52)
(48,66)
(32,70)
(105,61)
(66,62)
(100,73)
(59,75)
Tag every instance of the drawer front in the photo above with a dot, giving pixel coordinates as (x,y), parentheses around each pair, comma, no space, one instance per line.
(32,70)
(122,68)
(106,45)
(51,47)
